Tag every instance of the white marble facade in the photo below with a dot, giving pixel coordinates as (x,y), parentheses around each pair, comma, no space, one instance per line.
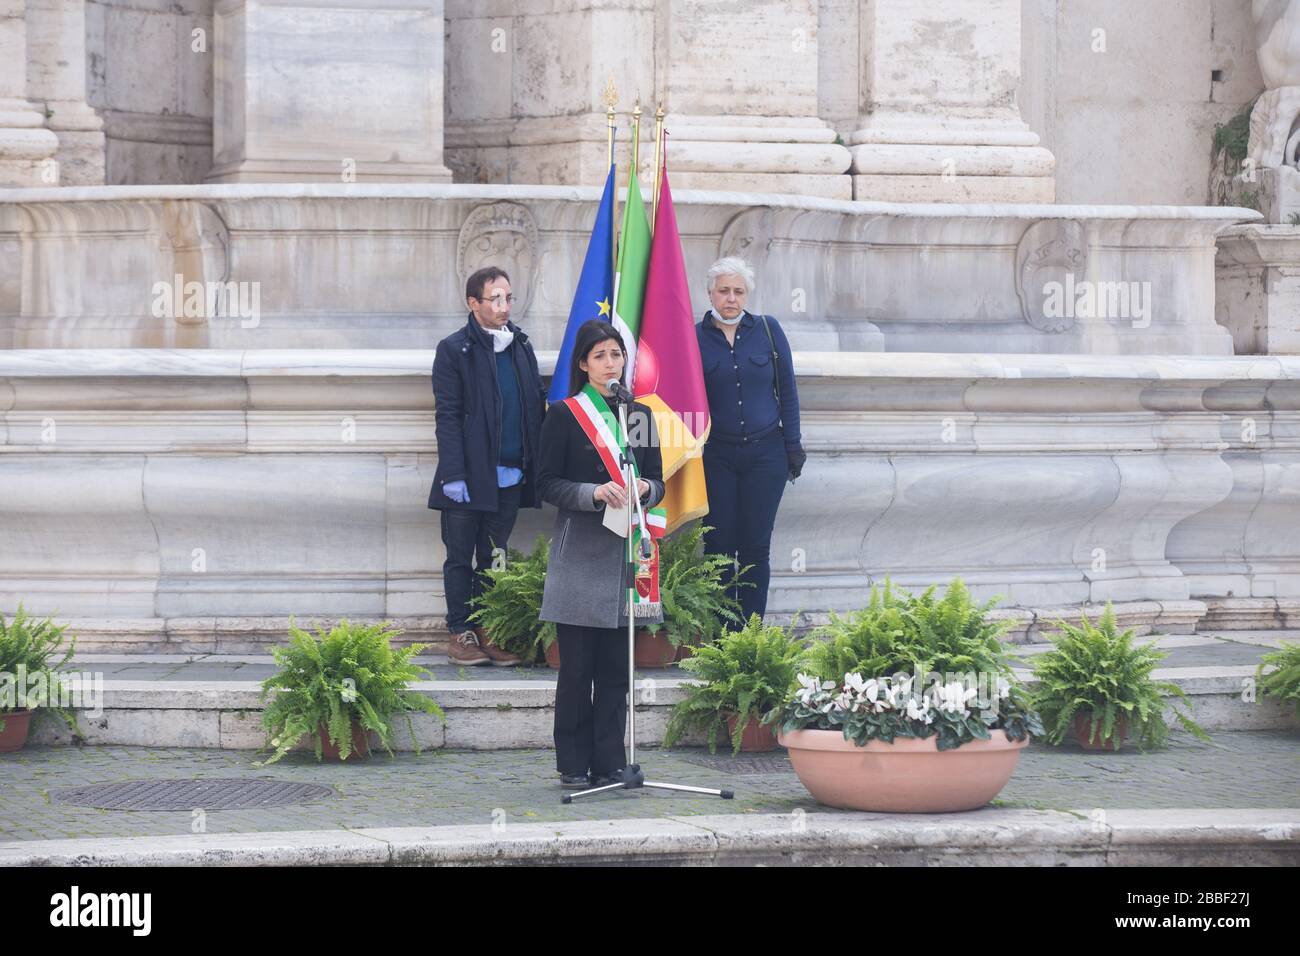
(1259,264)
(384,266)
(1002,100)
(323,91)
(1001,377)
(193,499)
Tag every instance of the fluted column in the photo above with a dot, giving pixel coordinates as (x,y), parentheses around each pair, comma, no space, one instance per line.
(25,144)
(939,116)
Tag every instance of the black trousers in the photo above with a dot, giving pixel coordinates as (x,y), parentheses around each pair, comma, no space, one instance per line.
(470,535)
(745,485)
(591,699)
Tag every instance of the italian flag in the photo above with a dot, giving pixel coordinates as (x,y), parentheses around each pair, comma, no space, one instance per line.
(630,276)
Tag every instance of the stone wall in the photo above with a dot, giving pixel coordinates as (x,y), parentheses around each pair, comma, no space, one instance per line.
(517,112)
(193,499)
(1135,123)
(384,266)
(152,87)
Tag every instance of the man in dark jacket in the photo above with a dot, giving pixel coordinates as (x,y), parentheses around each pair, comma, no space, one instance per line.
(489,404)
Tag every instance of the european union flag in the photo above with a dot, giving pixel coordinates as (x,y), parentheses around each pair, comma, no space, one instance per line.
(594,297)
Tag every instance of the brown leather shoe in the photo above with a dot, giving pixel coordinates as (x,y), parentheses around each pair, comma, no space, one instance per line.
(464,648)
(500,658)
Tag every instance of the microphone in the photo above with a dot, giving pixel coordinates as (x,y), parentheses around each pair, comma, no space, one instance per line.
(618,391)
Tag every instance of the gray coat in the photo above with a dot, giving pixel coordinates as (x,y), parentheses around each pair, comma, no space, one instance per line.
(584,578)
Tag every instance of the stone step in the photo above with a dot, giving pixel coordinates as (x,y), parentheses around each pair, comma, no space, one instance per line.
(215,700)
(990,836)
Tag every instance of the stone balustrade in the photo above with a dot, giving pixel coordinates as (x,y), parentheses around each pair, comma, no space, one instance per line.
(193,499)
(384,267)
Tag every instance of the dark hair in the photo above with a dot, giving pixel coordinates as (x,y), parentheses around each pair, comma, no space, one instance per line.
(590,334)
(479,280)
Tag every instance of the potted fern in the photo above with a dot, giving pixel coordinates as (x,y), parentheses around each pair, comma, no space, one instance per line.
(907,705)
(1282,681)
(508,607)
(29,678)
(1096,681)
(694,589)
(335,686)
(743,675)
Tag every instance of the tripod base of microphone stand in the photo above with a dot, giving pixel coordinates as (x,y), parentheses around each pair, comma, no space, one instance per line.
(634,779)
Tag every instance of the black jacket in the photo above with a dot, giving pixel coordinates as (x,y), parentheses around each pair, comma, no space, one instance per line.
(467,414)
(585,574)
(569,458)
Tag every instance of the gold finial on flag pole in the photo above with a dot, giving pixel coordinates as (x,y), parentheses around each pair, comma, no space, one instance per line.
(610,99)
(659,159)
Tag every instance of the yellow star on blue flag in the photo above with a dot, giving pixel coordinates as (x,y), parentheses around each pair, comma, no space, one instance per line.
(603,305)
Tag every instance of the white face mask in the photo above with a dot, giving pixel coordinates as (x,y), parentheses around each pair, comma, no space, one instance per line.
(501,338)
(735,321)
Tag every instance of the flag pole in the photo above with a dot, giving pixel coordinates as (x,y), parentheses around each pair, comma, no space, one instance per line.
(659,157)
(636,143)
(611,99)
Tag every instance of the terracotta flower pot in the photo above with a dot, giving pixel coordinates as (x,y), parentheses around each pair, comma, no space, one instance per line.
(653,650)
(553,655)
(757,738)
(907,776)
(360,743)
(688,650)
(15,733)
(1083,722)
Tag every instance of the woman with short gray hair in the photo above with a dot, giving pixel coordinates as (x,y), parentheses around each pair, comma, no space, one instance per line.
(754,442)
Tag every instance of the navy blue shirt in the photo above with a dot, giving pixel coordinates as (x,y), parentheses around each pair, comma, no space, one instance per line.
(739,381)
(512,429)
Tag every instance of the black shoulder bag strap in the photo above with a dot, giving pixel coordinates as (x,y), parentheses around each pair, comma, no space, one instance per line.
(776,364)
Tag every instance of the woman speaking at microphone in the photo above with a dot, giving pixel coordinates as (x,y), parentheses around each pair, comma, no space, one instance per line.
(586,591)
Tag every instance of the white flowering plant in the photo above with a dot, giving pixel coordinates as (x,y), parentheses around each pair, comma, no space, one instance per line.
(952,675)
(883,708)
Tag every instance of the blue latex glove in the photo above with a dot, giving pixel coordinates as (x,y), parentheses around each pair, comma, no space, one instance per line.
(456,491)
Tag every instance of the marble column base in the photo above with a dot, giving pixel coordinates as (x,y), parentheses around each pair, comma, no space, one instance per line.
(24,145)
(778,154)
(894,172)
(1008,189)
(82,149)
(900,157)
(308,171)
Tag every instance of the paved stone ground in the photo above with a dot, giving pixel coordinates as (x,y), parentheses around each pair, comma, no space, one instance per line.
(1258,769)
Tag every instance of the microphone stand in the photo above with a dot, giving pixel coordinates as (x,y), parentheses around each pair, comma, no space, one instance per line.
(633,777)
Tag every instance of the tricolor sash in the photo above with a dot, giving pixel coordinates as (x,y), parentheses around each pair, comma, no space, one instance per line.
(601,427)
